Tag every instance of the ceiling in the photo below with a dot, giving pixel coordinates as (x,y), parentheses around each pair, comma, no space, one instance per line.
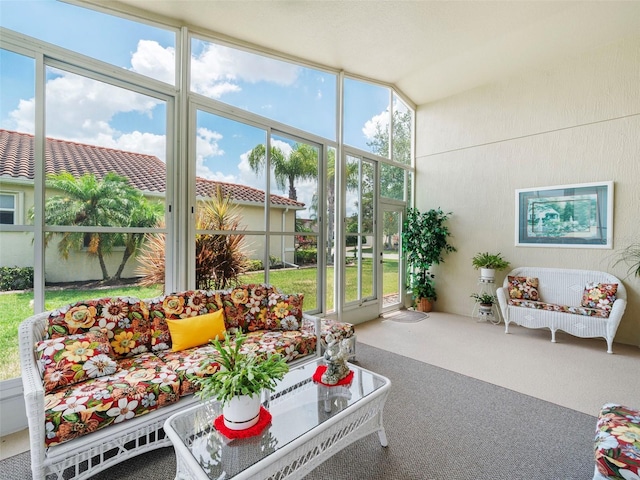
(427,49)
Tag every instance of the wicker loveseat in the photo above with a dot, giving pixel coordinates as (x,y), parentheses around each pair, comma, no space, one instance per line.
(101,376)
(584,303)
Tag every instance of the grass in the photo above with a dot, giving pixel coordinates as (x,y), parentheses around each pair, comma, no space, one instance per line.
(15,307)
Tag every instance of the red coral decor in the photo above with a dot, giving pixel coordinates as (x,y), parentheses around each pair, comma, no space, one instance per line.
(317,377)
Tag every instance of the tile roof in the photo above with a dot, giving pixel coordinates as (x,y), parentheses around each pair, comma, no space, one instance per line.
(145,172)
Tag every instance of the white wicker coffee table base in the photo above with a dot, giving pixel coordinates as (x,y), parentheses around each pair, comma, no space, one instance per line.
(298,457)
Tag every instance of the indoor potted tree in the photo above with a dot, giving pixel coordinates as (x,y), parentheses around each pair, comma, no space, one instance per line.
(488,263)
(239,382)
(425,238)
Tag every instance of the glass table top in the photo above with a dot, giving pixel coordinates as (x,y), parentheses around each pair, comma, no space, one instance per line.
(297,406)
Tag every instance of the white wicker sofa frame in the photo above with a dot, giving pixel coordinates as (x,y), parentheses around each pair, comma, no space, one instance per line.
(93,452)
(564,288)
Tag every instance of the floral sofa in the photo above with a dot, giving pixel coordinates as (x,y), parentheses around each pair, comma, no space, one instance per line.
(584,303)
(101,376)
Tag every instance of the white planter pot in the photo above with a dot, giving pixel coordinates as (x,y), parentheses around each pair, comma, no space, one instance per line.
(241,412)
(488,273)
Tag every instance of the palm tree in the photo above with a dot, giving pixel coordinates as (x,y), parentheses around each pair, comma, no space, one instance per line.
(88,202)
(144,213)
(301,164)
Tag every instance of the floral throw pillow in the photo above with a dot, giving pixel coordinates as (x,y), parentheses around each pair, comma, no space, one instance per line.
(126,320)
(523,288)
(245,307)
(285,311)
(599,295)
(74,358)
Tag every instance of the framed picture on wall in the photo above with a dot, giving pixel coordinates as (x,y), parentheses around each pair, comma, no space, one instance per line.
(577,216)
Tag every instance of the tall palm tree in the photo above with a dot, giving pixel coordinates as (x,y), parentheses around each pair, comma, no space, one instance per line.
(144,213)
(88,202)
(301,164)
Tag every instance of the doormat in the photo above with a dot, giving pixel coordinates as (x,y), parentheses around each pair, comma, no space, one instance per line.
(406,316)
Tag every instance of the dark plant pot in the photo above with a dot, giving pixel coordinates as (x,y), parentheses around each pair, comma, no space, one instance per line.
(424,305)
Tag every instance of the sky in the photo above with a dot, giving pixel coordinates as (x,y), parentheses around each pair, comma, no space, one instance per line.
(87,111)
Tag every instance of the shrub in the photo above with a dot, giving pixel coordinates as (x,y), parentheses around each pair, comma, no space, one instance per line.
(306,256)
(16,278)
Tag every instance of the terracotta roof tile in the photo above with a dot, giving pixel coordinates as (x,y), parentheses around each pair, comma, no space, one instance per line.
(145,172)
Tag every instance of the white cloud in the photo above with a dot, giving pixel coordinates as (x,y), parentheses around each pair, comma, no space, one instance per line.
(370,127)
(218,69)
(143,142)
(155,61)
(207,147)
(82,110)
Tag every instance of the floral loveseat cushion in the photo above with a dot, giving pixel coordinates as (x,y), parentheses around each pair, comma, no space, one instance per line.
(139,385)
(617,442)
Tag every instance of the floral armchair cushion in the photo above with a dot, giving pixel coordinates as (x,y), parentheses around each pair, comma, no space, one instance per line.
(74,358)
(617,442)
(177,306)
(523,288)
(126,320)
(599,295)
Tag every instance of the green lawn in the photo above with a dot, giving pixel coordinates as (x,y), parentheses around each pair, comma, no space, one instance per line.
(15,307)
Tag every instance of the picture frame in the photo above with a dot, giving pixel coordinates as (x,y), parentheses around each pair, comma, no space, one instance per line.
(573,216)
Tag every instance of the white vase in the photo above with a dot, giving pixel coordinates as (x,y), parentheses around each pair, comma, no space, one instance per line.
(241,412)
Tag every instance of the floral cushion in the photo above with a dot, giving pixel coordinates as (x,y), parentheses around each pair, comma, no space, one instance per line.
(141,384)
(245,307)
(599,295)
(74,358)
(284,312)
(338,330)
(523,288)
(193,361)
(177,306)
(584,311)
(126,320)
(289,344)
(617,442)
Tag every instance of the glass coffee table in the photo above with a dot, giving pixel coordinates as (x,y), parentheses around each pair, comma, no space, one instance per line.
(310,423)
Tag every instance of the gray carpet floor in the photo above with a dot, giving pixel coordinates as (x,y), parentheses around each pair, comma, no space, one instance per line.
(440,425)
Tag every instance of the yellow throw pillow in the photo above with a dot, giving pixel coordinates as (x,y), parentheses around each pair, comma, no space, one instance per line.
(195,331)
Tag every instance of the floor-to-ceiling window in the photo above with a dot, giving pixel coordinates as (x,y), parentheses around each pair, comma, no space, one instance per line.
(102,123)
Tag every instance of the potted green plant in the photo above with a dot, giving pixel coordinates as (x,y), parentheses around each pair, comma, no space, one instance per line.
(425,238)
(488,263)
(240,380)
(486,301)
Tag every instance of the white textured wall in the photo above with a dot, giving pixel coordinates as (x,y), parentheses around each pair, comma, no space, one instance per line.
(573,122)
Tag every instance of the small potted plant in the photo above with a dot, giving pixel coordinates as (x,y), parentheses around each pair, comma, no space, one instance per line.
(240,380)
(488,263)
(486,301)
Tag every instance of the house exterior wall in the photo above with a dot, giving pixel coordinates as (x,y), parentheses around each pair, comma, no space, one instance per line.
(17,249)
(577,121)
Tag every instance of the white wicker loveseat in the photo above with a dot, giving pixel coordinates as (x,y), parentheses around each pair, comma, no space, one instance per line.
(81,423)
(584,303)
